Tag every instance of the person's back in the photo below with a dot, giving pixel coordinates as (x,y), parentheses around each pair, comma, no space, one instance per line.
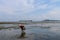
(22,27)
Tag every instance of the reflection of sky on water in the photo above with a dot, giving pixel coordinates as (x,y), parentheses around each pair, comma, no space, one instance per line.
(32,33)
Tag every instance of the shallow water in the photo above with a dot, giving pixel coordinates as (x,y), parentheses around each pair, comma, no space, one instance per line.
(31,33)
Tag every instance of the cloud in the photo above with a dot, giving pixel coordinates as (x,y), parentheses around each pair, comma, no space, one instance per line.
(37,9)
(6,9)
(53,14)
(54,1)
(21,6)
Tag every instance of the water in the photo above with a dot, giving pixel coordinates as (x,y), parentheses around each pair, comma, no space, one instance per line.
(32,33)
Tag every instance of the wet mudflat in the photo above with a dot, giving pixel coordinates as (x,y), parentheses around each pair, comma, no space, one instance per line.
(31,33)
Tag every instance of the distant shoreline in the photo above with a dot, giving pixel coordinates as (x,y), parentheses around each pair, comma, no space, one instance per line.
(28,22)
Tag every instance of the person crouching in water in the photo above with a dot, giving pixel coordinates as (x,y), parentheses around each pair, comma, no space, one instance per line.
(21,26)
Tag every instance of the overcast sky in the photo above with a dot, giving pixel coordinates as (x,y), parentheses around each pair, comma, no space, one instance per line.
(14,10)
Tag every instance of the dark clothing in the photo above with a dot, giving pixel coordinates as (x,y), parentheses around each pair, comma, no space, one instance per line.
(22,27)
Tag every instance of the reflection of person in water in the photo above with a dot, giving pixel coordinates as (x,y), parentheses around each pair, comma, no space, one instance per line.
(22,27)
(23,34)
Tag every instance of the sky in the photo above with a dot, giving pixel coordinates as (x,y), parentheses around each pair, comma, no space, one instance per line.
(15,10)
